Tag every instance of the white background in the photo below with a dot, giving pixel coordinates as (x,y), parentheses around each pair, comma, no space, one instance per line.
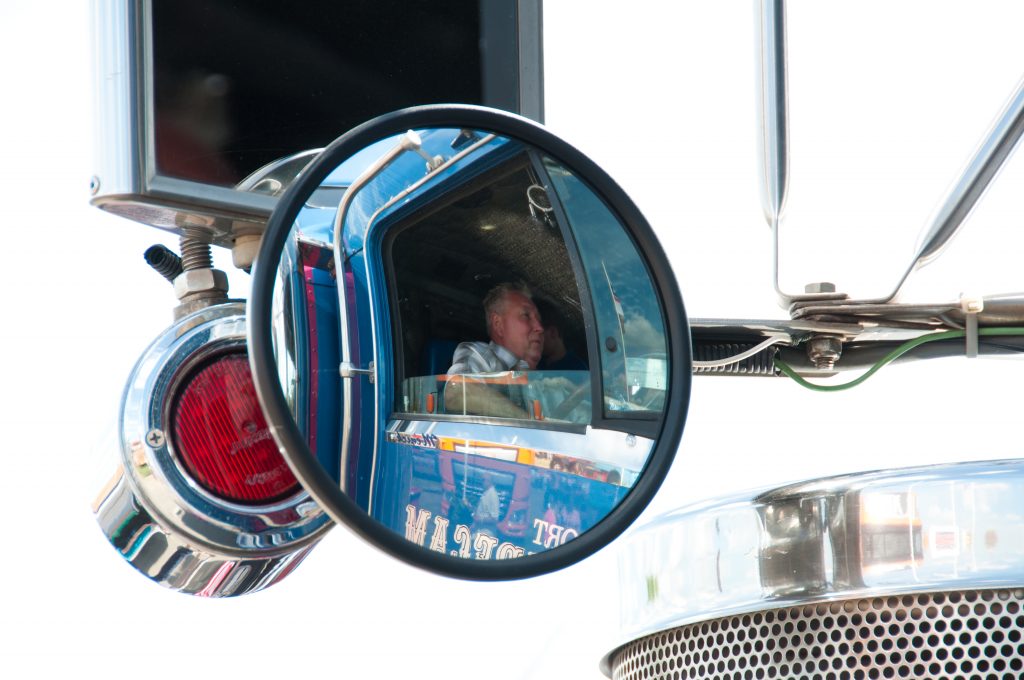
(887,102)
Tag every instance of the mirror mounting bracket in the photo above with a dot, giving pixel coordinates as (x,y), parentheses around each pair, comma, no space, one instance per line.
(982,168)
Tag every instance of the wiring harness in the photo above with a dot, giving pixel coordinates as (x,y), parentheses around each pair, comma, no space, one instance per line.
(896,353)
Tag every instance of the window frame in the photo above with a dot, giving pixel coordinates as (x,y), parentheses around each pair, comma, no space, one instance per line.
(648,426)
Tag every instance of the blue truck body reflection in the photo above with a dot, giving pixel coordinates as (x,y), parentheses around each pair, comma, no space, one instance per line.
(543,500)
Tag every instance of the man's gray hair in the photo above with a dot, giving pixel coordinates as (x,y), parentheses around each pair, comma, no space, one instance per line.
(494,301)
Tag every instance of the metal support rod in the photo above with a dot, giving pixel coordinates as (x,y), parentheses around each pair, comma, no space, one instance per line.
(773,121)
(983,167)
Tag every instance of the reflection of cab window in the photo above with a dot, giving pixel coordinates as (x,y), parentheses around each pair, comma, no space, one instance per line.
(632,345)
(444,260)
(602,318)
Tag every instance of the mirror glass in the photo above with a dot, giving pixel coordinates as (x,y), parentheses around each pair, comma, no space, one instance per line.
(470,342)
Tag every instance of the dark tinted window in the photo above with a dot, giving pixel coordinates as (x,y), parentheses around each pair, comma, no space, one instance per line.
(240,83)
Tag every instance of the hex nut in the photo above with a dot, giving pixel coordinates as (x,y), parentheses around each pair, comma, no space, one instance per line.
(824,351)
(195,281)
(819,287)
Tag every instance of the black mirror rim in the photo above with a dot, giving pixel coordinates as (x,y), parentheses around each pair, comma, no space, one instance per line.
(311,475)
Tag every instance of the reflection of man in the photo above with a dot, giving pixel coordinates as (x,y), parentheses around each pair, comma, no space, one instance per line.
(486,515)
(556,356)
(564,373)
(517,340)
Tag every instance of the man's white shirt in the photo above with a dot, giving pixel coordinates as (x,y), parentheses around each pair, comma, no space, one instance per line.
(484,357)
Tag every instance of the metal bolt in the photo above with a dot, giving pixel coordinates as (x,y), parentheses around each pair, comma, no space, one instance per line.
(824,352)
(195,254)
(820,287)
(155,438)
(192,281)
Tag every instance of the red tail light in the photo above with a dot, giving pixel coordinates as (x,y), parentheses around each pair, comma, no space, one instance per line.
(221,437)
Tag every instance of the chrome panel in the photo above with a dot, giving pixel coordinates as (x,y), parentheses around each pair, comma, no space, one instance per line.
(125,180)
(176,561)
(917,530)
(116,102)
(163,523)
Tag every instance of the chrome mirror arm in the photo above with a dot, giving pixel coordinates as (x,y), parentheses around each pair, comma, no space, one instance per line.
(773,118)
(773,122)
(983,167)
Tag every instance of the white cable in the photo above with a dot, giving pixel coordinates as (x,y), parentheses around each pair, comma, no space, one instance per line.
(736,358)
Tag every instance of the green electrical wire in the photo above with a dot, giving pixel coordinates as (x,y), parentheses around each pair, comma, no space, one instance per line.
(892,356)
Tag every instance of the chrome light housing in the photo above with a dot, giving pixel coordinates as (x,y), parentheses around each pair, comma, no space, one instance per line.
(156,513)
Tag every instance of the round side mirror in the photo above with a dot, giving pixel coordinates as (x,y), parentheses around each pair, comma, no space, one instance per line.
(468,343)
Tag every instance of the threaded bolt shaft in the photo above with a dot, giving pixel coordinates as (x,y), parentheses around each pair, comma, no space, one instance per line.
(195,254)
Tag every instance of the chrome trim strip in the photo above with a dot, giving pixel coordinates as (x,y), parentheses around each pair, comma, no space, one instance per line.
(773,115)
(407,142)
(530,14)
(913,530)
(164,524)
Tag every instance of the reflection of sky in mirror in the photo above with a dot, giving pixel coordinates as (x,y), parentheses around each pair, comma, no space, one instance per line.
(626,308)
(614,262)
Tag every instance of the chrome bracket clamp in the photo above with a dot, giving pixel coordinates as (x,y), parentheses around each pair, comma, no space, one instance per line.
(971,307)
(349,370)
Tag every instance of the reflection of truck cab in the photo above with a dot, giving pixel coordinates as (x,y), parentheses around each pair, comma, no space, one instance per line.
(541,504)
(423,244)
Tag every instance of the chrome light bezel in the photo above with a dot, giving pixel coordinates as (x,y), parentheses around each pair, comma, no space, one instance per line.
(163,522)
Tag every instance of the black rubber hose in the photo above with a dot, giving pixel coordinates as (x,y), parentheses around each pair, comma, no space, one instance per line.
(164,261)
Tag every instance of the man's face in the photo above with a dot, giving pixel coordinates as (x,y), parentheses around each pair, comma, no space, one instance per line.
(518,329)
